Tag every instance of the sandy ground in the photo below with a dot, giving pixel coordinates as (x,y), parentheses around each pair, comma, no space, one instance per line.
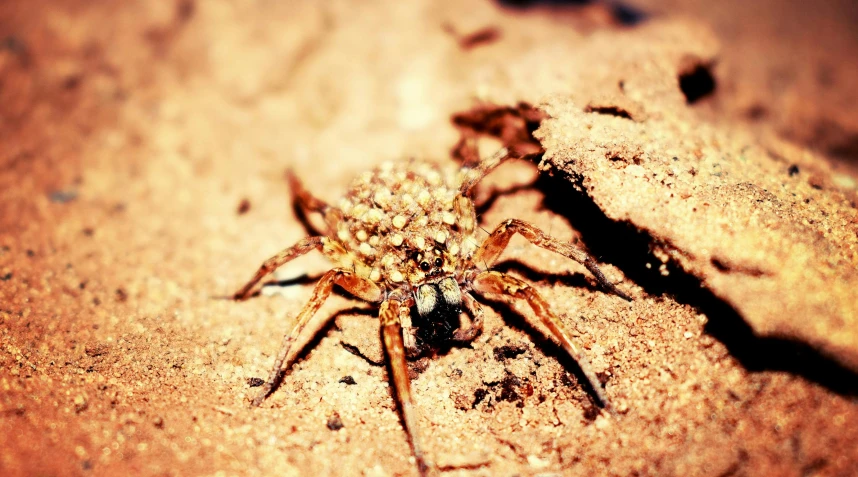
(704,155)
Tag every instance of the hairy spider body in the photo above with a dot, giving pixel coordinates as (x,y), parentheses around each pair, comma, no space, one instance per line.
(403,236)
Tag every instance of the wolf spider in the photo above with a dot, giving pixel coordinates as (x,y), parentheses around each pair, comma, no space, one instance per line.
(403,237)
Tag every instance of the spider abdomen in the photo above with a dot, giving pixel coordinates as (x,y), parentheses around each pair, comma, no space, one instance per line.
(396,212)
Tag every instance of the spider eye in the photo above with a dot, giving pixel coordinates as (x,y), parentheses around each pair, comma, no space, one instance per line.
(424,266)
(439,262)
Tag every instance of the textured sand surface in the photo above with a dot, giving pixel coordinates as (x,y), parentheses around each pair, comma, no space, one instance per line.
(705,157)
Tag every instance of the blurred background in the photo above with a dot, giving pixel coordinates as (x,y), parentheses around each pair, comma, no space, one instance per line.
(142,152)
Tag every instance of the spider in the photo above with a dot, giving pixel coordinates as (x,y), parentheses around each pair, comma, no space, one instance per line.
(403,237)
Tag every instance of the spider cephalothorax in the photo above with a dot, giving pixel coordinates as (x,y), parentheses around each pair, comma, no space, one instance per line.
(403,236)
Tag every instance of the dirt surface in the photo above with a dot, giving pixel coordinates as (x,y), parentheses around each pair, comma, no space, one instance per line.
(704,156)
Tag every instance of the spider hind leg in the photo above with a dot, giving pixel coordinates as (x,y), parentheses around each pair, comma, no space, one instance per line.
(497,283)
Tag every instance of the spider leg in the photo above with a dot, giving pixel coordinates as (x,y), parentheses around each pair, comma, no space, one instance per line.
(306,203)
(302,197)
(359,287)
(497,283)
(305,245)
(499,239)
(466,335)
(475,175)
(466,214)
(391,329)
(413,349)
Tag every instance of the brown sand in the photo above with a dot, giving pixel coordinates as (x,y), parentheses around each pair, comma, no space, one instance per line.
(143,146)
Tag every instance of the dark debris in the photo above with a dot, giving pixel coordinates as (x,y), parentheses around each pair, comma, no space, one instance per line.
(63,196)
(505,352)
(334,422)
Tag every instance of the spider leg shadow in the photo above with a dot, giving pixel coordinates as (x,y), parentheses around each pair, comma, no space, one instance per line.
(628,248)
(304,279)
(496,193)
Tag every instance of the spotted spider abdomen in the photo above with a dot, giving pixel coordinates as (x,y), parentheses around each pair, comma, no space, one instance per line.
(399,217)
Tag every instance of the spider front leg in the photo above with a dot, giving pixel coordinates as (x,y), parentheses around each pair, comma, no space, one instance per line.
(413,347)
(357,286)
(497,283)
(475,310)
(499,239)
(390,316)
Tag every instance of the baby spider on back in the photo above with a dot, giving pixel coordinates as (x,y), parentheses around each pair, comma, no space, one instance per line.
(403,237)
